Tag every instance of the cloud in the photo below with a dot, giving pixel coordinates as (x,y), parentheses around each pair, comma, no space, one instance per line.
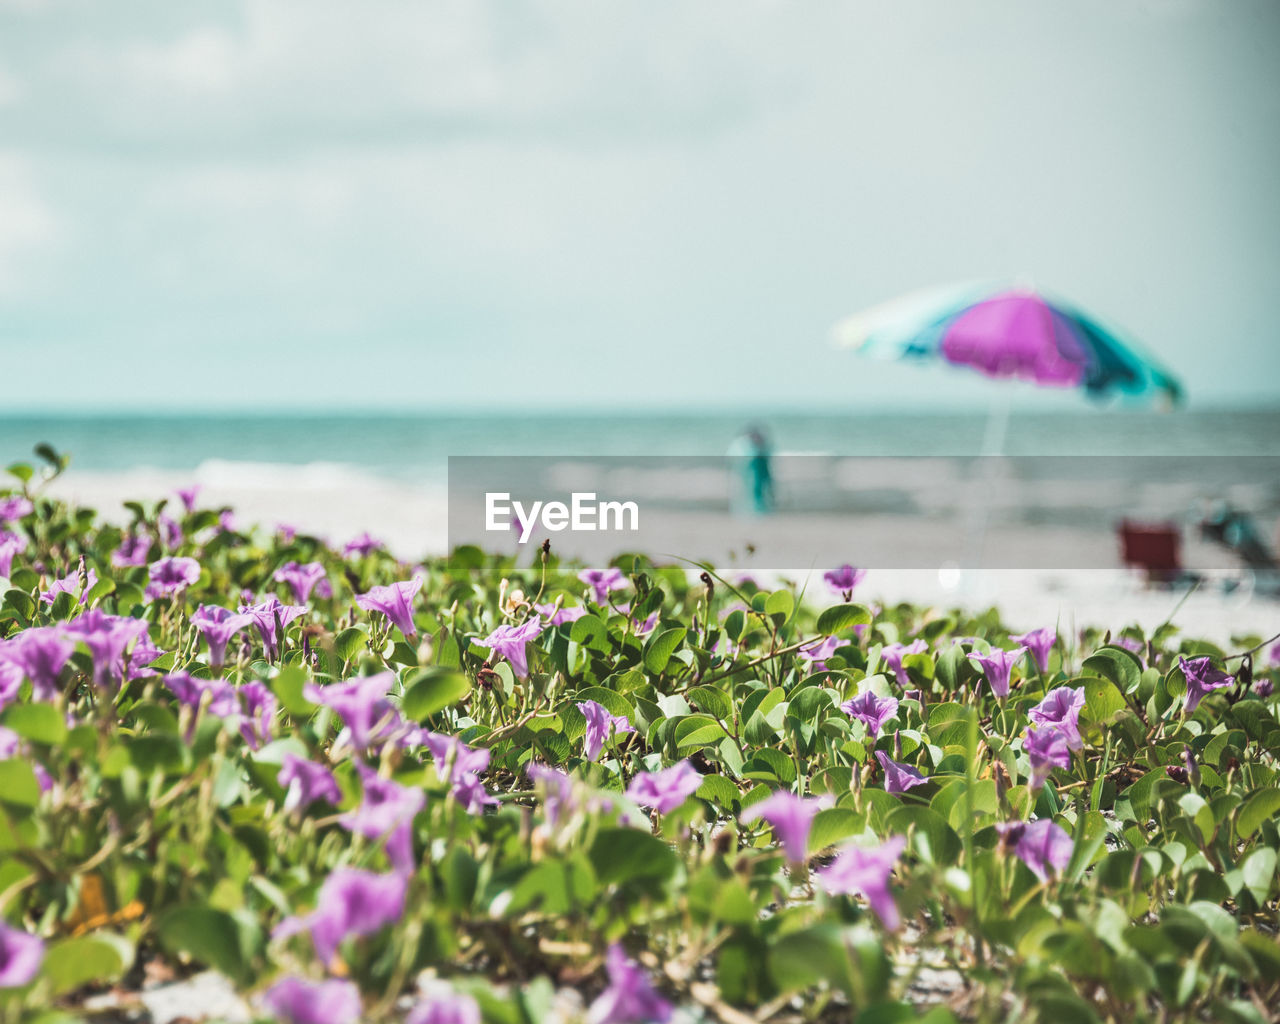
(10,88)
(28,225)
(288,76)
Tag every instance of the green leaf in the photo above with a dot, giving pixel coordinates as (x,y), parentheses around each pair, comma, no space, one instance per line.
(347,643)
(713,701)
(100,958)
(719,790)
(1257,809)
(624,854)
(698,731)
(833,825)
(433,689)
(811,956)
(1259,871)
(770,765)
(99,590)
(18,785)
(934,839)
(1116,665)
(779,605)
(213,937)
(1103,701)
(591,633)
(658,651)
(841,617)
(40,723)
(287,686)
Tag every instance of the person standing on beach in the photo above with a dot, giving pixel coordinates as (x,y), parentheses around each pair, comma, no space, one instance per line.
(752,461)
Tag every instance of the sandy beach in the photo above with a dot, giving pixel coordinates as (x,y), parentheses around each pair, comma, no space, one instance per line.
(412,520)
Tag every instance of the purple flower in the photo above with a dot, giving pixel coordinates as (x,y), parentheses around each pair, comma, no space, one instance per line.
(817,654)
(866,871)
(8,743)
(891,656)
(41,653)
(387,809)
(1134,646)
(1047,749)
(189,690)
(20,957)
(11,677)
(1061,708)
(270,617)
(133,550)
(350,902)
(440,1004)
(1202,678)
(260,706)
(667,789)
(107,637)
(1041,845)
(218,625)
(996,666)
(395,602)
(898,778)
(13,508)
(557,791)
(170,575)
(844,579)
(70,584)
(871,711)
(363,706)
(10,544)
(509,642)
(629,997)
(363,546)
(599,726)
(286,532)
(601,581)
(301,578)
(299,1001)
(306,782)
(226,521)
(459,766)
(144,652)
(1262,686)
(556,616)
(171,530)
(1039,642)
(791,817)
(188,495)
(1275,651)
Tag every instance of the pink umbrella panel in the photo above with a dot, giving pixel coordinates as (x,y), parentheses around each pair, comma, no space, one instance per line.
(1010,332)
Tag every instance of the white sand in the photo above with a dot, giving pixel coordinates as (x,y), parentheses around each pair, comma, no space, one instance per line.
(333,503)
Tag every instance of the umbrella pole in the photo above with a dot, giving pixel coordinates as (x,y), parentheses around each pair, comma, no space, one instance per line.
(997,424)
(993,439)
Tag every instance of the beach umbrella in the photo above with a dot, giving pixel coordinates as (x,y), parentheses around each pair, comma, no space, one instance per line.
(1012,331)
(1009,331)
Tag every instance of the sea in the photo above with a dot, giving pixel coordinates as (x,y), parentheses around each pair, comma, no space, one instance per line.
(416,447)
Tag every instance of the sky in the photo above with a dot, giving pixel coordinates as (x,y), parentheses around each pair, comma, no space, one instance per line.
(524,205)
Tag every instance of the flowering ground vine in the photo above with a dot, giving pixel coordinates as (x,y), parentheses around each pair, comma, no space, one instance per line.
(363,790)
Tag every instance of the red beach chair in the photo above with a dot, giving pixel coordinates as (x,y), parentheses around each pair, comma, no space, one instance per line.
(1153,547)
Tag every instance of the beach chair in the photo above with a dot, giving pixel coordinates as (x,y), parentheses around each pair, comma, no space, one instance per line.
(1155,548)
